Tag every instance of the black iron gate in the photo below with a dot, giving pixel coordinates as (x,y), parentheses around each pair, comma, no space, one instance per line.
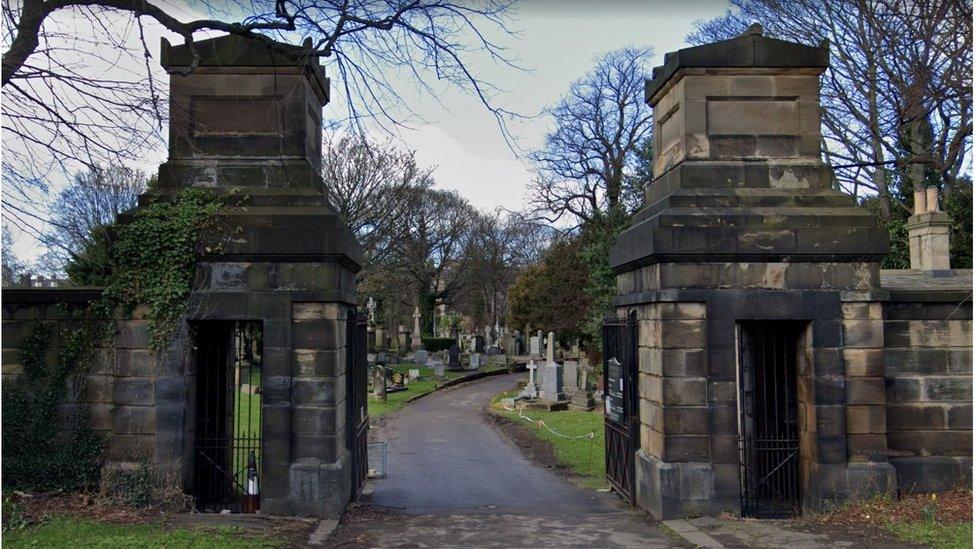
(357,420)
(769,446)
(621,420)
(227,441)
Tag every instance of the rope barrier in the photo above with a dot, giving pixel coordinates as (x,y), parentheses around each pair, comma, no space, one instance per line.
(541,423)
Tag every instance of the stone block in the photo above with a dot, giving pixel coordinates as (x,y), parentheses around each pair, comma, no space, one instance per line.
(865,420)
(312,446)
(724,448)
(98,389)
(867,447)
(827,420)
(686,448)
(930,474)
(317,311)
(939,443)
(682,334)
(136,362)
(133,420)
(317,363)
(133,391)
(960,416)
(683,420)
(313,420)
(722,392)
(865,390)
(313,391)
(916,361)
(132,334)
(685,391)
(317,334)
(902,417)
(863,334)
(903,389)
(651,388)
(949,389)
(129,447)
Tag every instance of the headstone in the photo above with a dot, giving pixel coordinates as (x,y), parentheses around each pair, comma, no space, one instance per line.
(420,357)
(551,349)
(479,344)
(535,348)
(415,341)
(497,359)
(530,390)
(380,338)
(371,358)
(454,358)
(542,343)
(381,358)
(494,350)
(471,345)
(475,362)
(439,369)
(570,376)
(413,374)
(552,383)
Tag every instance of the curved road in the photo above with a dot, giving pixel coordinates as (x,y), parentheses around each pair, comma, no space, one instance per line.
(452,480)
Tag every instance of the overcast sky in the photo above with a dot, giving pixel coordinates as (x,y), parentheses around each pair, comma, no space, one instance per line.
(557,42)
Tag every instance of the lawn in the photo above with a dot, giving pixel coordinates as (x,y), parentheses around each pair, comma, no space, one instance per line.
(953,535)
(63,531)
(395,401)
(585,456)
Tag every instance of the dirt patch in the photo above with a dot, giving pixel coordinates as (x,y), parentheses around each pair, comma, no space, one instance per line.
(866,521)
(532,447)
(354,530)
(37,508)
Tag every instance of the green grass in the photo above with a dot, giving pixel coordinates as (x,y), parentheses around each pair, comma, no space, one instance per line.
(427,384)
(584,456)
(936,534)
(68,532)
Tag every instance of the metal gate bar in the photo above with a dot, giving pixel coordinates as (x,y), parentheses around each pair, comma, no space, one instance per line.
(621,418)
(227,445)
(769,438)
(357,418)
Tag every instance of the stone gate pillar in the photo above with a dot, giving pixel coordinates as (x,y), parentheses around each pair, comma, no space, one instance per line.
(742,223)
(246,122)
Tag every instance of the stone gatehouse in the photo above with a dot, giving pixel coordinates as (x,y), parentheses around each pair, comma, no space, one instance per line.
(273,310)
(779,368)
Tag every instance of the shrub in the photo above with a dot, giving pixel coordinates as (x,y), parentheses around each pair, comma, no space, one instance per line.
(434,344)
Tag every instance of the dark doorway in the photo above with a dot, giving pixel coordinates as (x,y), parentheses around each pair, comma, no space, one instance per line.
(227,441)
(622,412)
(769,446)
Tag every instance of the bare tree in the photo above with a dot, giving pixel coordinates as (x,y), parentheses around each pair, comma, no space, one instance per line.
(898,95)
(433,250)
(79,88)
(584,168)
(369,184)
(82,211)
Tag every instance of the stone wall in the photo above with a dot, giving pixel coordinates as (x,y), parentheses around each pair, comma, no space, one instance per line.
(928,362)
(118,391)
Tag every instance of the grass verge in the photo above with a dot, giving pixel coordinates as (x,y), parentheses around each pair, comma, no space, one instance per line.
(935,534)
(62,531)
(584,456)
(426,384)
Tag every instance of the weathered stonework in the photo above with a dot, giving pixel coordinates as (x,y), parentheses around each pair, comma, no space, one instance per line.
(246,123)
(742,224)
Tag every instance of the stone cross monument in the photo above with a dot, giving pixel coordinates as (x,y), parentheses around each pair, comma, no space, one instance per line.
(415,342)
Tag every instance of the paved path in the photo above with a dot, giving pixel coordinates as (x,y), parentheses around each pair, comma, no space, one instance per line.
(455,481)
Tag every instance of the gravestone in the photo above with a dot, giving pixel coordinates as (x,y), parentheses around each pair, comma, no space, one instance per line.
(494,350)
(551,389)
(420,357)
(479,344)
(497,359)
(570,376)
(413,374)
(551,349)
(438,369)
(583,397)
(415,341)
(381,357)
(530,390)
(454,358)
(475,361)
(535,347)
